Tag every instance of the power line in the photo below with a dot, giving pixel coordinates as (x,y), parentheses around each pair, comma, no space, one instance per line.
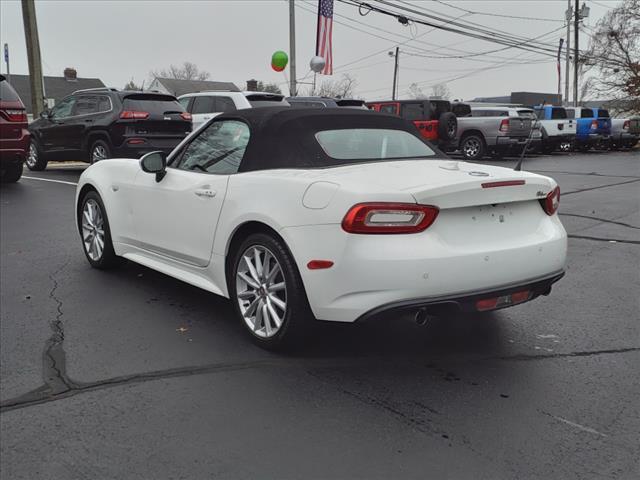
(472,12)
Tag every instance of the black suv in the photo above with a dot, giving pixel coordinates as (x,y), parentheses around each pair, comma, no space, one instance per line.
(95,124)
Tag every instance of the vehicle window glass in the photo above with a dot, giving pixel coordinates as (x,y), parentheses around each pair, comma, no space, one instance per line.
(371,144)
(217,149)
(438,108)
(389,108)
(104,104)
(203,105)
(224,104)
(558,113)
(539,113)
(64,108)
(603,113)
(571,114)
(412,111)
(526,114)
(586,113)
(184,102)
(478,113)
(153,104)
(461,110)
(265,100)
(86,105)
(7,93)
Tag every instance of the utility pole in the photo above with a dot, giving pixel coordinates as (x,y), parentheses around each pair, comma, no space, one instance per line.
(576,54)
(567,68)
(293,90)
(33,54)
(395,73)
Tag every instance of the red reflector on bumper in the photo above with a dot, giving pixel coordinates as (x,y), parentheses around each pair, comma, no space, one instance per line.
(319,264)
(505,183)
(502,301)
(136,141)
(486,304)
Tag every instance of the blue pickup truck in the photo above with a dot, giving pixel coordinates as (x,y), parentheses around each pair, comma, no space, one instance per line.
(593,129)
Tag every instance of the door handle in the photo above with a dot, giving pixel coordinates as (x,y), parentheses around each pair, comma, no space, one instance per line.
(205,192)
(88,120)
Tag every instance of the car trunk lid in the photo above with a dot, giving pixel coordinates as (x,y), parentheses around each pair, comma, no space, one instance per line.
(519,126)
(165,116)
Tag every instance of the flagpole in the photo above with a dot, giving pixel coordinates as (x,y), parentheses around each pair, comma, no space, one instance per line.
(293,91)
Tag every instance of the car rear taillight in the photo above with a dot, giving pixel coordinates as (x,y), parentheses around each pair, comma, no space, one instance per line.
(133,115)
(626,125)
(504,125)
(552,201)
(15,115)
(381,218)
(186,116)
(594,124)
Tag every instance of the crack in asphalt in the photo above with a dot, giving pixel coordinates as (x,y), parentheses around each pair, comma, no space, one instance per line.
(44,394)
(564,194)
(603,220)
(607,240)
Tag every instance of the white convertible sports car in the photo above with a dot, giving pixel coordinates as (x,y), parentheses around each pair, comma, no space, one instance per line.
(302,214)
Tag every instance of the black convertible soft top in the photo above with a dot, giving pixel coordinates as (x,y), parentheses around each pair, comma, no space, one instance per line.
(284,137)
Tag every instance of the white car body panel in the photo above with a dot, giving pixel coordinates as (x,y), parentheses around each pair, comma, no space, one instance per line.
(482,238)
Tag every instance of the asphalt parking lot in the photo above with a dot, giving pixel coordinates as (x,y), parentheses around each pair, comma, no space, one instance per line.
(130,374)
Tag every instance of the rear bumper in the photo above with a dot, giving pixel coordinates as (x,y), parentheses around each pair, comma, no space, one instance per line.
(626,139)
(592,138)
(467,302)
(15,149)
(558,139)
(136,150)
(511,143)
(444,262)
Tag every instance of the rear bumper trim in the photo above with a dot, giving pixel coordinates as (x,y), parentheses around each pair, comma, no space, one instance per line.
(466,301)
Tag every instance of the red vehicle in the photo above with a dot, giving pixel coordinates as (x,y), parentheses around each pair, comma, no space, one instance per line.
(433,118)
(14,136)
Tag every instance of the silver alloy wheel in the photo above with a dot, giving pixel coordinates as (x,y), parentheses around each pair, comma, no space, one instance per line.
(471,147)
(261,291)
(565,146)
(93,230)
(32,158)
(99,152)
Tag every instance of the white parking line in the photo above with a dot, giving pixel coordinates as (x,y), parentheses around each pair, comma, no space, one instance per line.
(49,180)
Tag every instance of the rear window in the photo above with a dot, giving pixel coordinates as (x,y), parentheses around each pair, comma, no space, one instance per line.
(391,108)
(371,144)
(571,114)
(461,110)
(7,93)
(558,113)
(262,100)
(154,104)
(350,103)
(603,114)
(307,104)
(412,111)
(586,113)
(526,114)
(439,107)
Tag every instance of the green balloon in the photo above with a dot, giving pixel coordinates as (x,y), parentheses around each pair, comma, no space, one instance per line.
(279,60)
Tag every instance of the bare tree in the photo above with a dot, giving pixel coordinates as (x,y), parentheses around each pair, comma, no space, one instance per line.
(342,88)
(188,71)
(415,91)
(269,87)
(614,56)
(441,90)
(130,85)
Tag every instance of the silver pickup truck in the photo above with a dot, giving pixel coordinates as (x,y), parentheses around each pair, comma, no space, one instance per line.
(496,131)
(625,132)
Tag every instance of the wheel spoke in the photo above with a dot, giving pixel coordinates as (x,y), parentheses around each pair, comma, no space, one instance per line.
(279,303)
(251,309)
(274,315)
(248,280)
(252,270)
(87,217)
(247,294)
(272,274)
(258,263)
(258,320)
(276,287)
(265,320)
(266,265)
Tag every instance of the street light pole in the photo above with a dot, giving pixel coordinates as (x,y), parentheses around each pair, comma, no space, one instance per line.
(576,53)
(395,73)
(293,91)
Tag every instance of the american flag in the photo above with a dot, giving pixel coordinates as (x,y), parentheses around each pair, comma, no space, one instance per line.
(323,36)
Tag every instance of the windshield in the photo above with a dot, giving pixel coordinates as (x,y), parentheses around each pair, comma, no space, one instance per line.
(371,144)
(558,113)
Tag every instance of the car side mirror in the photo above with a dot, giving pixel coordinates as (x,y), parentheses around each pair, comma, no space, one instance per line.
(154,162)
(46,113)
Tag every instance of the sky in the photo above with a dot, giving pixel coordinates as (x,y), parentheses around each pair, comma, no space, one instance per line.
(120,40)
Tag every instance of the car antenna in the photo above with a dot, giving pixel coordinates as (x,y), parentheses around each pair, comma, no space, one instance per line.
(518,166)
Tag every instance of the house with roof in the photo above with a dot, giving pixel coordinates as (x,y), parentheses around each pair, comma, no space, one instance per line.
(55,88)
(177,87)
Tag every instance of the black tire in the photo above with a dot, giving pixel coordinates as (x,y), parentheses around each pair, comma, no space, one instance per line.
(36,159)
(297,321)
(548,149)
(108,259)
(472,147)
(447,127)
(584,147)
(99,150)
(11,173)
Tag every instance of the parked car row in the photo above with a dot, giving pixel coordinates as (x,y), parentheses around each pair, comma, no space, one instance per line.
(96,124)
